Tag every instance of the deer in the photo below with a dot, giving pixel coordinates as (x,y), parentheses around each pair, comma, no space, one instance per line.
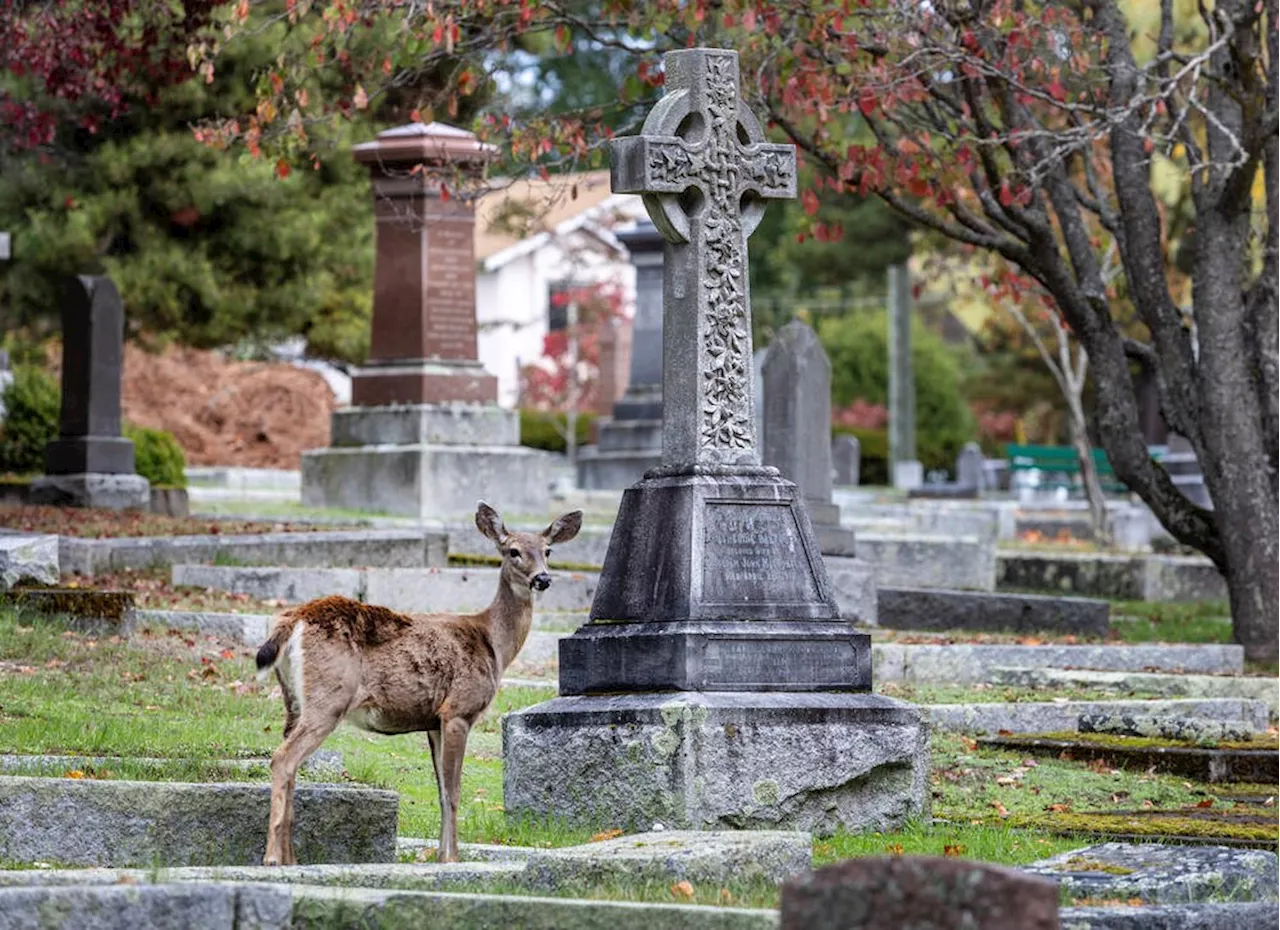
(389,673)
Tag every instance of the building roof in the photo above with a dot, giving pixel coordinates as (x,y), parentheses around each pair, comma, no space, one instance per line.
(517,211)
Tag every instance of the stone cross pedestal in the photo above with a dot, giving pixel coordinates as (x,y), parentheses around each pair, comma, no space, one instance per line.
(714,599)
(631,442)
(425,436)
(90,464)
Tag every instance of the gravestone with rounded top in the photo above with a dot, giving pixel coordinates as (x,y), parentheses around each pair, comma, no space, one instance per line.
(90,464)
(714,636)
(424,435)
(919,892)
(846,454)
(797,427)
(630,443)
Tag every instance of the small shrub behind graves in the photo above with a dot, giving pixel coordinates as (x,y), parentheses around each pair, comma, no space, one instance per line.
(540,429)
(32,404)
(157,456)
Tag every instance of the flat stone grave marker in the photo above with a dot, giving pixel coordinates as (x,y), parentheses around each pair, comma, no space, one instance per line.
(920,893)
(28,558)
(1255,761)
(1159,874)
(86,608)
(127,823)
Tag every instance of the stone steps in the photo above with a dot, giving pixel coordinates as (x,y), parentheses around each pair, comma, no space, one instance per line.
(960,663)
(412,590)
(380,548)
(1266,690)
(1063,716)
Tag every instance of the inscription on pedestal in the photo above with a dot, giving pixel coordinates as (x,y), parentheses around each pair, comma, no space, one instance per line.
(450,290)
(764,664)
(753,553)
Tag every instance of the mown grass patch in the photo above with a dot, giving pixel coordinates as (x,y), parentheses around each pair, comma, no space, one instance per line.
(1151,622)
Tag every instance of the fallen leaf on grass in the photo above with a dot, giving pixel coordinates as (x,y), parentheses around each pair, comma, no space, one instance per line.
(1207,802)
(1006,781)
(682,890)
(74,773)
(726,897)
(893,849)
(605,835)
(1001,810)
(955,849)
(1059,808)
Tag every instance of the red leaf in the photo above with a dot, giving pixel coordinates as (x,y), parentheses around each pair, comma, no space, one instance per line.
(1006,195)
(867,101)
(282,169)
(1057,91)
(809,200)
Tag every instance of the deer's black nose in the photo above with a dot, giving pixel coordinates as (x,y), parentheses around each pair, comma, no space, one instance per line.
(540,582)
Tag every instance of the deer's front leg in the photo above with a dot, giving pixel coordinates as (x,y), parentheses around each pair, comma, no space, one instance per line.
(453,745)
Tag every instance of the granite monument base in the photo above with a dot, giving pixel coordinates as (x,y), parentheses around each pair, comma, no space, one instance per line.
(425,461)
(91,489)
(717,655)
(708,761)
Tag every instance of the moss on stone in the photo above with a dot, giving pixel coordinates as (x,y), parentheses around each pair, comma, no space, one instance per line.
(1081,864)
(1116,741)
(80,603)
(1172,824)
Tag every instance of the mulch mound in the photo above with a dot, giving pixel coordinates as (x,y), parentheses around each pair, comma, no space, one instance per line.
(224,412)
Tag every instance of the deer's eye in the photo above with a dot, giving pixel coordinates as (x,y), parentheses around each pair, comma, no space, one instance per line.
(514,553)
(547,554)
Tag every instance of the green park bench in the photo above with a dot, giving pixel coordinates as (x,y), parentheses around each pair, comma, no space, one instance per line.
(1060,466)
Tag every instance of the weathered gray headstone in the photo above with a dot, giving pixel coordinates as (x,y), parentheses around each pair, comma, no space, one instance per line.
(713,583)
(90,464)
(905,471)
(970,470)
(846,455)
(630,443)
(919,892)
(797,427)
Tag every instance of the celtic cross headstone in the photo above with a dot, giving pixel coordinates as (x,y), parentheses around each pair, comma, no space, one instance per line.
(714,597)
(705,173)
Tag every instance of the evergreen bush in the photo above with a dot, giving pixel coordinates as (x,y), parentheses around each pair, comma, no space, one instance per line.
(157,456)
(32,405)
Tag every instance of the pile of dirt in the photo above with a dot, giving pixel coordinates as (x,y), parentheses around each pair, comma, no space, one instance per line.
(224,412)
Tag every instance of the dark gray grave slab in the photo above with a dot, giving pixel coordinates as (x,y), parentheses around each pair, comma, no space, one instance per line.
(980,611)
(124,823)
(1160,874)
(920,893)
(90,464)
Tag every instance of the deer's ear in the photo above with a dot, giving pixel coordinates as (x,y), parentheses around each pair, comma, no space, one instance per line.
(489,523)
(564,527)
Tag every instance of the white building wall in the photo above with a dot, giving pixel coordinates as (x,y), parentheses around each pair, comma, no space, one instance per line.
(512,302)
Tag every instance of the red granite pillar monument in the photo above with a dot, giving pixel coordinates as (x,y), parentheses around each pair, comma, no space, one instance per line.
(425,436)
(423,345)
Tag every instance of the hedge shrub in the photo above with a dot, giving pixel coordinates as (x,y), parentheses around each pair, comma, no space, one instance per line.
(32,404)
(157,456)
(857,345)
(540,429)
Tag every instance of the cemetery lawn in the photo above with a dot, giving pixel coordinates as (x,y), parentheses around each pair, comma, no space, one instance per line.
(194,702)
(152,590)
(100,524)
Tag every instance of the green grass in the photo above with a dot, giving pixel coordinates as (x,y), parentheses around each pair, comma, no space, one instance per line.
(195,701)
(1144,622)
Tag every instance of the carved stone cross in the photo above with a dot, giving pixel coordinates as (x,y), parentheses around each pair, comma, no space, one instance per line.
(705,172)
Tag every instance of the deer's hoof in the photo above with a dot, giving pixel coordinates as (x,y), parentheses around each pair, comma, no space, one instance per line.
(270,860)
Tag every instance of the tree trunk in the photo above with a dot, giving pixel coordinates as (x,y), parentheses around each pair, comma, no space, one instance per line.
(1088,472)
